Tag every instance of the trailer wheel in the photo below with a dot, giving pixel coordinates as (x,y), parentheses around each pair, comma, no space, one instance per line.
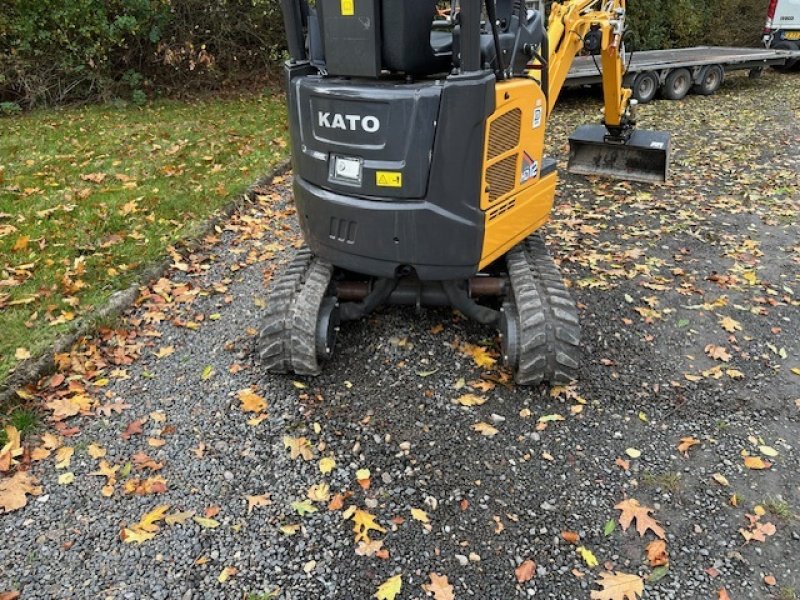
(711,78)
(792,62)
(677,84)
(645,87)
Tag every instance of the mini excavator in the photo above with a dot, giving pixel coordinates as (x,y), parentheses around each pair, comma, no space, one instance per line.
(420,174)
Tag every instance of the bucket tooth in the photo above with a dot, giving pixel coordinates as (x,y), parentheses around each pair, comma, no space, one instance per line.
(645,156)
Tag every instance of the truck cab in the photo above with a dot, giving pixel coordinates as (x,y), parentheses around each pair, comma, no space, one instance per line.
(782,30)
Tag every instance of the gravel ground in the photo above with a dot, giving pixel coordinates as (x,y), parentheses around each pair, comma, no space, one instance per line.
(654,269)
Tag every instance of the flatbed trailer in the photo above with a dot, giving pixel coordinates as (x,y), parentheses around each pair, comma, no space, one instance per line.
(701,69)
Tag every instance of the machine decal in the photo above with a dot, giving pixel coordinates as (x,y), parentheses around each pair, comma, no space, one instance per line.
(392,179)
(537,118)
(530,168)
(328,120)
(348,8)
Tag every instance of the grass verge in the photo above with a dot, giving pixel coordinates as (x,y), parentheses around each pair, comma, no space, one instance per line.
(89,195)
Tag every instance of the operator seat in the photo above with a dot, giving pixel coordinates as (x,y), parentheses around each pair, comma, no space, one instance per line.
(409,44)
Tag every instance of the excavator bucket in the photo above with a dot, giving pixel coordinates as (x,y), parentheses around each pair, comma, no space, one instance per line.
(643,157)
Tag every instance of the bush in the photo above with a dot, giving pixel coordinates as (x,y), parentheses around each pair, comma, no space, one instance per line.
(55,51)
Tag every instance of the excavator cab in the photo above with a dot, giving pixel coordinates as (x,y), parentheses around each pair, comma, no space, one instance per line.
(420,172)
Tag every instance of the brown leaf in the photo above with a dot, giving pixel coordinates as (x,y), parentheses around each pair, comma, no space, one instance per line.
(13,490)
(254,501)
(525,571)
(571,537)
(439,587)
(718,352)
(12,595)
(631,509)
(722,594)
(133,428)
(770,580)
(657,553)
(686,443)
(618,586)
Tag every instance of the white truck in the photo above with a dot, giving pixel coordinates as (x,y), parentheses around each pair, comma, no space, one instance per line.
(782,31)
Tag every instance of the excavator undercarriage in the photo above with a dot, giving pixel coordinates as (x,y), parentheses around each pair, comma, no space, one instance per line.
(420,172)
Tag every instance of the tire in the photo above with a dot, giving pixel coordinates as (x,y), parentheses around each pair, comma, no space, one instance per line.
(711,78)
(677,84)
(790,64)
(645,87)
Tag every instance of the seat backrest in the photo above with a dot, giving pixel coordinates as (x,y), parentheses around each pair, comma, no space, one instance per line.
(406,31)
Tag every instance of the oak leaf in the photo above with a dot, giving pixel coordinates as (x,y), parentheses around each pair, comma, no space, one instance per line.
(363,523)
(618,586)
(439,587)
(686,443)
(730,325)
(299,447)
(631,509)
(255,501)
(471,400)
(485,429)
(14,490)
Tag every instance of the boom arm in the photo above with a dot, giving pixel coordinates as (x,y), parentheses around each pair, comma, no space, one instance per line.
(574,26)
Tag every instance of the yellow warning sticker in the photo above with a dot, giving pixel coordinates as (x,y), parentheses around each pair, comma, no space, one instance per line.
(389,179)
(348,8)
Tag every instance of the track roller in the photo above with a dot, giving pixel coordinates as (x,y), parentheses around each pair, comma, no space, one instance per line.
(539,324)
(302,321)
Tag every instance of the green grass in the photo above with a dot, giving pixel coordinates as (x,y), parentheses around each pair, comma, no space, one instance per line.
(89,195)
(778,507)
(25,420)
(669,481)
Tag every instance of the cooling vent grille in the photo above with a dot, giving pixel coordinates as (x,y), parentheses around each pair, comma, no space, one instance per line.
(504,133)
(503,208)
(502,177)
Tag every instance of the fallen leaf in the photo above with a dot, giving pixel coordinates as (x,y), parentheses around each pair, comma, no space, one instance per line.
(64,457)
(631,509)
(208,371)
(720,479)
(618,586)
(303,507)
(368,548)
(718,352)
(588,556)
(227,573)
(389,589)
(756,463)
(471,400)
(14,490)
(255,501)
(363,523)
(205,522)
(299,447)
(657,553)
(571,537)
(22,354)
(686,443)
(633,452)
(66,478)
(730,325)
(96,451)
(768,451)
(420,515)
(485,429)
(722,594)
(770,580)
(178,518)
(439,587)
(320,492)
(525,571)
(326,465)
(251,402)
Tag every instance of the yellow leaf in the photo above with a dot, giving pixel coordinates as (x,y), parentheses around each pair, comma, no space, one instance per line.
(633,452)
(164,351)
(686,443)
(734,374)
(588,556)
(796,370)
(720,479)
(138,536)
(66,478)
(22,354)
(319,493)
(363,523)
(149,520)
(485,429)
(420,515)
(178,518)
(64,456)
(479,355)
(550,418)
(756,463)
(289,529)
(326,465)
(205,522)
(227,573)
(362,474)
(471,400)
(251,402)
(208,371)
(13,490)
(21,243)
(96,451)
(730,325)
(389,589)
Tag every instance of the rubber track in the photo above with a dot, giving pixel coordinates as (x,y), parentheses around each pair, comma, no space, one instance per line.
(549,327)
(287,342)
